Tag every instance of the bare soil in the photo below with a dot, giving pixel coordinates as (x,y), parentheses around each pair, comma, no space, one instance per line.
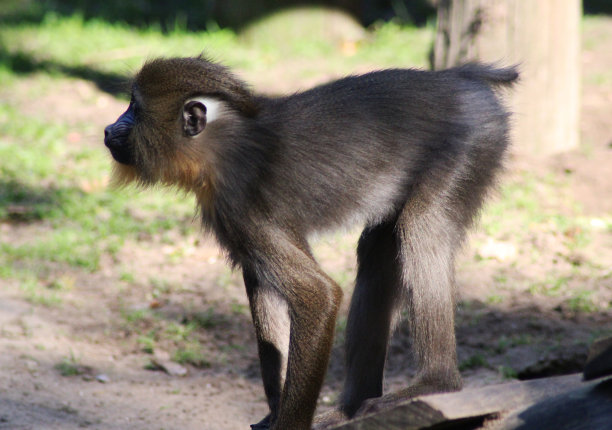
(518,335)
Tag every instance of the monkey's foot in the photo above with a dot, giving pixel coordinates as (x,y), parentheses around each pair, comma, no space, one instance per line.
(328,419)
(262,425)
(387,401)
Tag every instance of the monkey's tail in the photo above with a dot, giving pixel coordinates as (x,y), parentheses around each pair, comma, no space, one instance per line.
(505,76)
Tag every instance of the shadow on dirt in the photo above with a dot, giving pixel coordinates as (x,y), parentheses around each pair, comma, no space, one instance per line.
(524,343)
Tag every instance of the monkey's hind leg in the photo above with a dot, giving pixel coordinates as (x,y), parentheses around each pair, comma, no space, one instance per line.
(373,306)
(429,238)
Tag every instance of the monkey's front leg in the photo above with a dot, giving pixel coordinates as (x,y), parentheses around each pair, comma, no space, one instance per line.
(291,288)
(271,320)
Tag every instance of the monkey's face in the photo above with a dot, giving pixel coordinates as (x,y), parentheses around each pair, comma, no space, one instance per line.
(167,133)
(180,110)
(143,135)
(154,140)
(159,140)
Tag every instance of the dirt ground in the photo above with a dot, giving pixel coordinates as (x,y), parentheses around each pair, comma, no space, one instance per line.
(519,335)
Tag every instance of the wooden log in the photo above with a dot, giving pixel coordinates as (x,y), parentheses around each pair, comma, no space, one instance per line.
(599,361)
(585,408)
(470,407)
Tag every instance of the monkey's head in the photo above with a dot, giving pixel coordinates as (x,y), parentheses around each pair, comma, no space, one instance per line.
(178,112)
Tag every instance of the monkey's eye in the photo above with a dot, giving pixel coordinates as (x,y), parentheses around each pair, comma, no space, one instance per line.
(194,117)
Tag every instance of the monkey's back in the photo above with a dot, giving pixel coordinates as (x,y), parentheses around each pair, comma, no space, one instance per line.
(356,147)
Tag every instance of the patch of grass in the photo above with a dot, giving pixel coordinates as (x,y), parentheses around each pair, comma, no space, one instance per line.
(495,299)
(139,317)
(83,223)
(181,339)
(77,249)
(501,278)
(518,198)
(504,342)
(207,319)
(127,277)
(474,362)
(6,269)
(507,372)
(191,353)
(582,301)
(179,332)
(147,342)
(70,366)
(552,286)
(62,283)
(394,45)
(160,287)
(240,309)
(37,294)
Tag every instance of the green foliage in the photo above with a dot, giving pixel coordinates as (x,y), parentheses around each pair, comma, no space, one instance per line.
(70,366)
(147,342)
(191,353)
(37,294)
(582,301)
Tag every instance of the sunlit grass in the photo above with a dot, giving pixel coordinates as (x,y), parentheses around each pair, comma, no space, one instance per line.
(110,47)
(44,178)
(71,44)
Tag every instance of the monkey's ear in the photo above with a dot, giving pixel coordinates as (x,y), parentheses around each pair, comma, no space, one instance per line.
(194,117)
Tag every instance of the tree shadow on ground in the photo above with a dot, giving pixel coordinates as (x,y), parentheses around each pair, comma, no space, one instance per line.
(22,203)
(21,63)
(201,15)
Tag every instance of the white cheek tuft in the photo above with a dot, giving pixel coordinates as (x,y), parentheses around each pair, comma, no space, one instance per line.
(214,107)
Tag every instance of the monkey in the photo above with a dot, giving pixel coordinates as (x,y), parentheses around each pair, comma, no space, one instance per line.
(408,154)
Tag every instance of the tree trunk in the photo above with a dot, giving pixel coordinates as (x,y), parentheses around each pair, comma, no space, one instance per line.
(543,37)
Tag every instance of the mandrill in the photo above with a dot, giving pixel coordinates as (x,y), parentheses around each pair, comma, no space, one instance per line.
(408,154)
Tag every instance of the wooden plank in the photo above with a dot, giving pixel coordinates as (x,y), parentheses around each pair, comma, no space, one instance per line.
(472,405)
